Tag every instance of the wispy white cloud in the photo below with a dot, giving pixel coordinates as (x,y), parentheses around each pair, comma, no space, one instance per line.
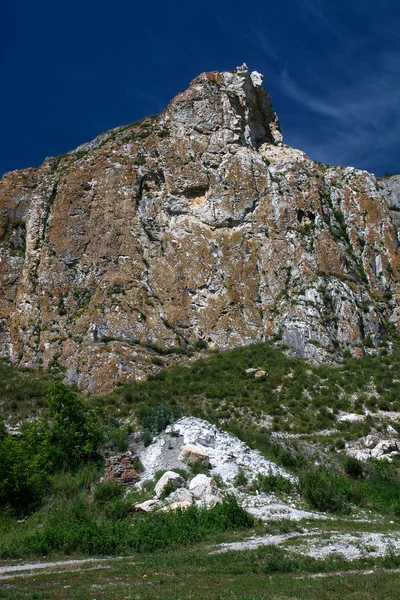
(342,106)
(316,10)
(361,118)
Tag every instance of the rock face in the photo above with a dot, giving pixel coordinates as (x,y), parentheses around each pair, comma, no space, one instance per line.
(121,469)
(197,227)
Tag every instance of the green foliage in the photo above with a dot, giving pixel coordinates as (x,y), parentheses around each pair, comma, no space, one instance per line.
(375,486)
(276,484)
(154,419)
(108,526)
(325,490)
(218,388)
(75,434)
(353,467)
(72,435)
(163,133)
(240,479)
(108,490)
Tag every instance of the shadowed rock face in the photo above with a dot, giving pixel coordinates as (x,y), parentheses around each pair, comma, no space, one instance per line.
(196,225)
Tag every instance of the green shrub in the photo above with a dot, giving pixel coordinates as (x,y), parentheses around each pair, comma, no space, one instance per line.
(87,527)
(276,483)
(324,490)
(108,490)
(154,419)
(240,479)
(353,467)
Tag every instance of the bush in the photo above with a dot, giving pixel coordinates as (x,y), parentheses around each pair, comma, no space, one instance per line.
(73,435)
(154,419)
(325,490)
(108,490)
(353,467)
(240,479)
(276,483)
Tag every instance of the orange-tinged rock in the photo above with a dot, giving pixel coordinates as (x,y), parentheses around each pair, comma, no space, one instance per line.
(198,225)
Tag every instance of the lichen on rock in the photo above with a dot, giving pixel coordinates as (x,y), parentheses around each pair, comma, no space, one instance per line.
(195,226)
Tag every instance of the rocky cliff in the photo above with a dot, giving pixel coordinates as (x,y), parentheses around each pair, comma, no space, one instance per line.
(194,228)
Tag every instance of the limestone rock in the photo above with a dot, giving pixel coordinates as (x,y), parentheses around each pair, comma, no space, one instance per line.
(227,454)
(260,374)
(195,225)
(205,490)
(170,478)
(194,454)
(384,447)
(148,505)
(180,499)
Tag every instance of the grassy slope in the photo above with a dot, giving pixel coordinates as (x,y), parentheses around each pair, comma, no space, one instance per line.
(182,575)
(298,397)
(295,396)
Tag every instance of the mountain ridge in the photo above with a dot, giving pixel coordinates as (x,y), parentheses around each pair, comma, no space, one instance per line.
(194,228)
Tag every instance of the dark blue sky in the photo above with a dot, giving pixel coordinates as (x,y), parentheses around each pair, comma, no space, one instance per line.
(72,70)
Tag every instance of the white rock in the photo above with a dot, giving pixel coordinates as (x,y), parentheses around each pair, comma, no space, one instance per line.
(194,454)
(147,506)
(180,495)
(257,78)
(370,441)
(200,484)
(227,453)
(205,490)
(169,478)
(180,499)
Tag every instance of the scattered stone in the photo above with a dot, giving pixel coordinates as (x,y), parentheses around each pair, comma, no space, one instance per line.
(170,478)
(194,454)
(227,454)
(148,505)
(260,374)
(121,469)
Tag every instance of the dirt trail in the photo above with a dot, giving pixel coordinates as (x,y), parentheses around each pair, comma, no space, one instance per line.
(8,571)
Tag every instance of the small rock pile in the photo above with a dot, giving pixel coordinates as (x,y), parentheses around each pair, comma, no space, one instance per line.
(121,469)
(191,439)
(201,490)
(373,446)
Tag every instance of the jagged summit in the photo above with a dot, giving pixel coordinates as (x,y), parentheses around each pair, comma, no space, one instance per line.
(232,104)
(195,228)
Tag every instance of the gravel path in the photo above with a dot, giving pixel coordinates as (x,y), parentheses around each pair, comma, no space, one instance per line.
(7,571)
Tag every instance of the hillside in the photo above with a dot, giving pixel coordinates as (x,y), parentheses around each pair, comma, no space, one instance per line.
(197,228)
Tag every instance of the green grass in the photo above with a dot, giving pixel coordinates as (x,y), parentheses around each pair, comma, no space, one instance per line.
(80,514)
(267,573)
(22,390)
(296,396)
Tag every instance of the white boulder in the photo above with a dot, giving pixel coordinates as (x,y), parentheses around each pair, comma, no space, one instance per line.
(180,499)
(194,454)
(169,478)
(205,491)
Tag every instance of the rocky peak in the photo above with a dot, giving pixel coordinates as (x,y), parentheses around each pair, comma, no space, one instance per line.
(195,228)
(230,107)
